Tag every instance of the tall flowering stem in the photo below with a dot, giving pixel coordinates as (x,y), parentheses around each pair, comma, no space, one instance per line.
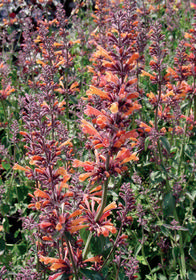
(158,52)
(112,100)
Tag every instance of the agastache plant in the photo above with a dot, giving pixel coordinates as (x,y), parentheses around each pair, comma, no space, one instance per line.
(46,138)
(112,100)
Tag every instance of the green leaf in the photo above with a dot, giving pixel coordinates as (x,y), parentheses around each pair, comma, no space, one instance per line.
(162,277)
(90,274)
(22,192)
(147,140)
(142,260)
(165,143)
(100,245)
(191,275)
(189,151)
(5,209)
(165,231)
(137,249)
(169,204)
(5,165)
(157,177)
(173,276)
(192,252)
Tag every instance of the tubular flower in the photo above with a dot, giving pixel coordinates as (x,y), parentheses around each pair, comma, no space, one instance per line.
(103,225)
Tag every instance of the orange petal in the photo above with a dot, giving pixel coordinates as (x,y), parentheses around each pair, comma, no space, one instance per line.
(84,176)
(88,128)
(87,165)
(114,108)
(58,227)
(75,213)
(56,266)
(96,91)
(111,206)
(75,84)
(112,229)
(19,167)
(68,142)
(134,56)
(42,194)
(144,73)
(47,238)
(131,157)
(92,111)
(45,224)
(102,52)
(98,188)
(93,259)
(73,229)
(40,62)
(61,171)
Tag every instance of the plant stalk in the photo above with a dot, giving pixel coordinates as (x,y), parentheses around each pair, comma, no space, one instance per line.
(103,204)
(71,257)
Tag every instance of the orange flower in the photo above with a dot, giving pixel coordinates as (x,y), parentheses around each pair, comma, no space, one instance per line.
(101,52)
(6,92)
(41,194)
(114,108)
(146,127)
(45,224)
(87,165)
(144,73)
(89,129)
(124,156)
(97,91)
(19,167)
(84,176)
(90,111)
(101,121)
(56,263)
(102,226)
(124,136)
(93,259)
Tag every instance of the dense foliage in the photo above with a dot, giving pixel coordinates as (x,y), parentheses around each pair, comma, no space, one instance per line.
(98,140)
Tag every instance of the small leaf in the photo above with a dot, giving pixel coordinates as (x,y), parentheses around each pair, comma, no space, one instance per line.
(189,151)
(92,275)
(5,165)
(192,252)
(165,143)
(169,204)
(147,140)
(137,249)
(191,275)
(174,276)
(157,177)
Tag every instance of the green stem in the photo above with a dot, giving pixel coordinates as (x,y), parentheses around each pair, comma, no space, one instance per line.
(103,204)
(143,253)
(181,247)
(71,257)
(162,163)
(104,194)
(183,143)
(114,246)
(173,255)
(6,118)
(156,127)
